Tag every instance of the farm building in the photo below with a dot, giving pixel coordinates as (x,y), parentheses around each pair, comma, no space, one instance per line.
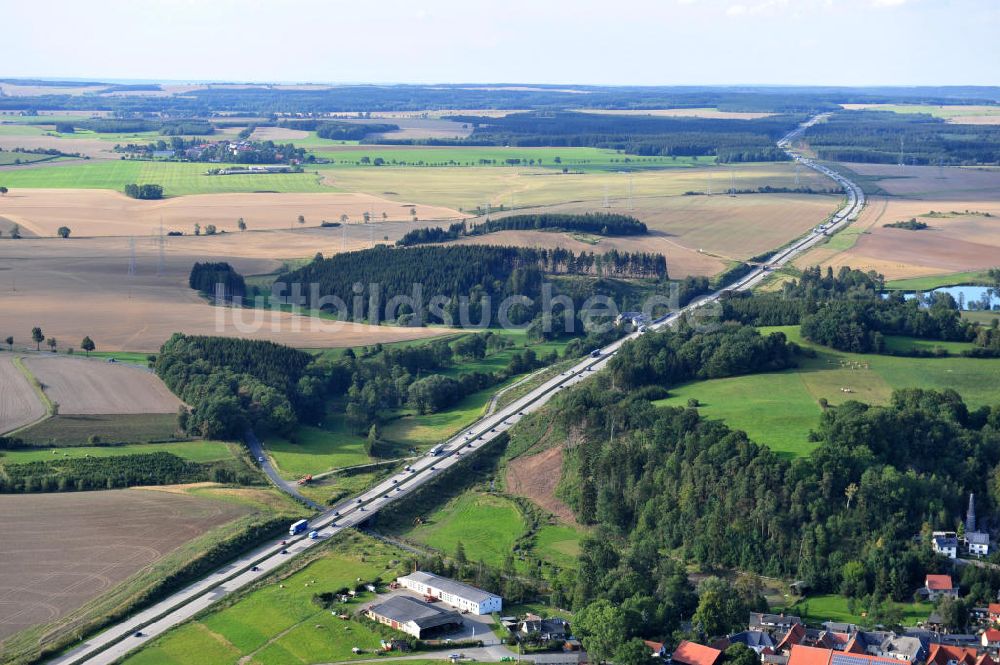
(464,597)
(414,617)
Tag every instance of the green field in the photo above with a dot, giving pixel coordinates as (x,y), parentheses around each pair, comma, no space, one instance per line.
(897,343)
(831,607)
(177,178)
(487,525)
(195,451)
(8,158)
(318,449)
(573,158)
(558,544)
(779,409)
(67,430)
(278,623)
(976,277)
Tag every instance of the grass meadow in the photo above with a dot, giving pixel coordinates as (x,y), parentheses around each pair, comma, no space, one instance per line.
(194,451)
(832,607)
(779,409)
(277,622)
(487,525)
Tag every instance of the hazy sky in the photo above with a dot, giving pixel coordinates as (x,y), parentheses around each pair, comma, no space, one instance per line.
(648,42)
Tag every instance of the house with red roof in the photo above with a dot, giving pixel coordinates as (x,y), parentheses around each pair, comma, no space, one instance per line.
(802,655)
(991,639)
(994,612)
(692,653)
(945,654)
(939,586)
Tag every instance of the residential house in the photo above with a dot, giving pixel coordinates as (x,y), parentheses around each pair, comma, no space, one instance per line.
(771,623)
(943,654)
(991,639)
(546,629)
(803,655)
(939,586)
(993,612)
(978,543)
(691,653)
(757,640)
(945,543)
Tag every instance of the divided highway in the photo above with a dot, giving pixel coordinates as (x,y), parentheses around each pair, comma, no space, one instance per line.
(129,634)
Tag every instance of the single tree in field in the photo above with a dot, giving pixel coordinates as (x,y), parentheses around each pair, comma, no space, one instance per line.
(52,343)
(385,216)
(197,229)
(63,231)
(367,217)
(87,345)
(15,232)
(37,337)
(210,229)
(344,218)
(3,191)
(10,343)
(302,219)
(241,224)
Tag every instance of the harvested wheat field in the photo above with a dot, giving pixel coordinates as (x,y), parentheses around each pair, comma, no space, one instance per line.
(82,386)
(19,404)
(71,547)
(699,235)
(515,187)
(535,477)
(952,183)
(278,134)
(99,212)
(71,288)
(963,216)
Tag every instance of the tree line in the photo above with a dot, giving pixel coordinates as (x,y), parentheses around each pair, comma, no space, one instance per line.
(146,192)
(605,224)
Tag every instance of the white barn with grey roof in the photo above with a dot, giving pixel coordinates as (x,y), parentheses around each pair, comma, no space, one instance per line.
(463,596)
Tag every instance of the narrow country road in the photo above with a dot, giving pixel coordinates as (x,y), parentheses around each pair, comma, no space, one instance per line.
(257,451)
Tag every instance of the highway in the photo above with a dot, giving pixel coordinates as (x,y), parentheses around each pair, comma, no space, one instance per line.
(129,634)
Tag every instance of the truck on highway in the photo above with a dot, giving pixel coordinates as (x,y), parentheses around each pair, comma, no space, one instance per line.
(298,527)
(436,450)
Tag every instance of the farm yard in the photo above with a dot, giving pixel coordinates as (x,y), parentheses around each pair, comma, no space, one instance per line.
(71,548)
(20,403)
(82,386)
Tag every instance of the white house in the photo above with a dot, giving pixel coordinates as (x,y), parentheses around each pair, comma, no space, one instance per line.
(979,543)
(946,543)
(464,597)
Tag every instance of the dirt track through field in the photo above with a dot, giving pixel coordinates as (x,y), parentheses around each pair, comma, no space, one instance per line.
(83,386)
(61,550)
(19,403)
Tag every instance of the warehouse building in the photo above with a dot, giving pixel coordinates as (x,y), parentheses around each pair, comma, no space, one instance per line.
(464,597)
(415,617)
